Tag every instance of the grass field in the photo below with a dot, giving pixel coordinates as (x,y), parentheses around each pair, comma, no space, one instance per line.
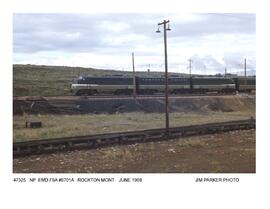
(73,125)
(31,80)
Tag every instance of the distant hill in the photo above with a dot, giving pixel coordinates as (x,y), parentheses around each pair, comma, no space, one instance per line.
(42,80)
(249,73)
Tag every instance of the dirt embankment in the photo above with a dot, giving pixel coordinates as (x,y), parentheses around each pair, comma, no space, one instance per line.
(41,105)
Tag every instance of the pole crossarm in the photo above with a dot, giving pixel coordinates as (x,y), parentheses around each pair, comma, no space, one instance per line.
(164,22)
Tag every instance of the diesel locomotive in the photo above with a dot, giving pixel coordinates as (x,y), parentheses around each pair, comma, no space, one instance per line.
(154,85)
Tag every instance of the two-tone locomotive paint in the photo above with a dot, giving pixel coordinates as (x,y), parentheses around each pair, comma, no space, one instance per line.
(152,85)
(96,85)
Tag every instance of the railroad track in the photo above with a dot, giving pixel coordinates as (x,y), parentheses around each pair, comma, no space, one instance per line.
(155,96)
(102,140)
(108,96)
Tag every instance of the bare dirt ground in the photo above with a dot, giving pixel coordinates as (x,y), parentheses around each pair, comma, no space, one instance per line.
(231,152)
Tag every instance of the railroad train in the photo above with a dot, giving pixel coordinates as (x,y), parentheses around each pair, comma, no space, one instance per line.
(153,85)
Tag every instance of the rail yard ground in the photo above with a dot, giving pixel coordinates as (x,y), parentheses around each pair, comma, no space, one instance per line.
(187,111)
(231,152)
(41,93)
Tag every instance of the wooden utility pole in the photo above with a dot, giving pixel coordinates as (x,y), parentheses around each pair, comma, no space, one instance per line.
(164,24)
(245,71)
(134,77)
(190,60)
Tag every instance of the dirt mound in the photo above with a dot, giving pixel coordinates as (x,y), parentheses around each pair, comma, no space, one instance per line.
(218,107)
(111,106)
(37,107)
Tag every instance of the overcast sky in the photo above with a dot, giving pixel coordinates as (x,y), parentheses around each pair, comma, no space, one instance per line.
(212,41)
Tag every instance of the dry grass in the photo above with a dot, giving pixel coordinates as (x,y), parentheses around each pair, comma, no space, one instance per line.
(192,143)
(74,125)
